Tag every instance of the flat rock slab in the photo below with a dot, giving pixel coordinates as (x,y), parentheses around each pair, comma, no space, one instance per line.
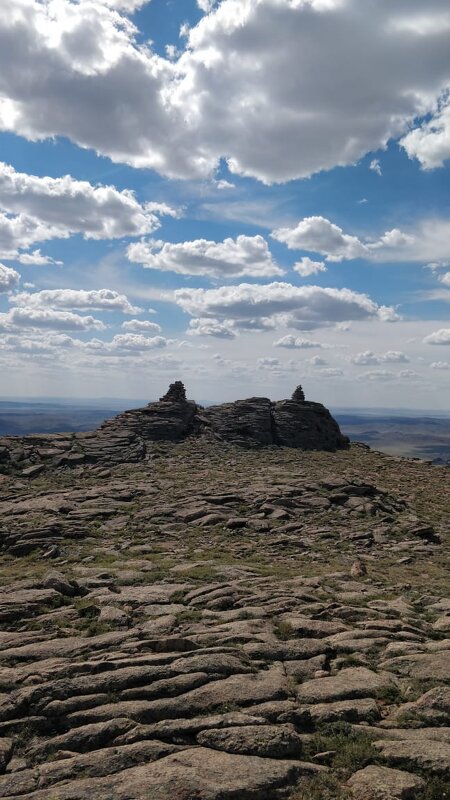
(197,773)
(424,754)
(364,710)
(424,666)
(348,684)
(267,741)
(382,783)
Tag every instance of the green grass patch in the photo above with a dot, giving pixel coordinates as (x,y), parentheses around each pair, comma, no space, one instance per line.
(352,749)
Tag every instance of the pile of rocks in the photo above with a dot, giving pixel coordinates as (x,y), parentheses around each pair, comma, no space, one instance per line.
(128,436)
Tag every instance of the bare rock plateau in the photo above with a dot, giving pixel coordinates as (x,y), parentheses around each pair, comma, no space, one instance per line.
(222,603)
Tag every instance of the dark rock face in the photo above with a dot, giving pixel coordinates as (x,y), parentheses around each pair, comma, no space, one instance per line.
(245,422)
(306,425)
(254,422)
(291,423)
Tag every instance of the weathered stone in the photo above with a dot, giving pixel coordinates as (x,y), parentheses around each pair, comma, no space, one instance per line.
(349,683)
(267,741)
(426,754)
(125,438)
(382,783)
(365,710)
(199,772)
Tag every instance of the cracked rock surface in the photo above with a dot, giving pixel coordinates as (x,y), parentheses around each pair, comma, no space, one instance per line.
(223,623)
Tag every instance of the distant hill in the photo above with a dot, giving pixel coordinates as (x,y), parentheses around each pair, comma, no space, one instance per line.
(418,437)
(21,418)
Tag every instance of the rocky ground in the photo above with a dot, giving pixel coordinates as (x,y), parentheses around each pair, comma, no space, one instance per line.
(217,623)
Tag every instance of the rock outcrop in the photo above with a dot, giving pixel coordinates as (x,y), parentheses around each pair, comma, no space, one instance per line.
(127,437)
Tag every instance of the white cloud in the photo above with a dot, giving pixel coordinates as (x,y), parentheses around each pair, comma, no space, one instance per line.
(36,258)
(138,342)
(20,232)
(441,336)
(430,142)
(440,365)
(141,325)
(445,278)
(293,342)
(319,235)
(66,206)
(9,279)
(206,5)
(76,298)
(317,361)
(125,5)
(375,166)
(390,357)
(429,240)
(246,255)
(222,184)
(394,357)
(47,319)
(302,308)
(211,327)
(78,70)
(306,267)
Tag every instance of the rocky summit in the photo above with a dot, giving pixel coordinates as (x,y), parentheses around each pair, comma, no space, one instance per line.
(223,603)
(129,436)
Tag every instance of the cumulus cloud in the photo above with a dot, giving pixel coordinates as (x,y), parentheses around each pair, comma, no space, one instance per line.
(441,336)
(440,365)
(429,240)
(20,232)
(293,342)
(66,206)
(76,298)
(430,142)
(317,361)
(390,357)
(141,325)
(319,235)
(375,166)
(206,5)
(306,267)
(36,258)
(9,279)
(246,255)
(48,318)
(211,327)
(179,116)
(303,308)
(138,342)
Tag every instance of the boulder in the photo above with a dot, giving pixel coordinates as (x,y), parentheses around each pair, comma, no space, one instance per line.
(381,783)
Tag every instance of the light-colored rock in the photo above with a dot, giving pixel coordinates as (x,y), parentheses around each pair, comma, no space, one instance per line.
(267,741)
(382,783)
(349,683)
(426,754)
(195,772)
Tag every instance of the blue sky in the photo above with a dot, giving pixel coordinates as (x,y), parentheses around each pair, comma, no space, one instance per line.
(244,194)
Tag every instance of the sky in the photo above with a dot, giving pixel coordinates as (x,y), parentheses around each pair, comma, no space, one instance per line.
(243,194)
